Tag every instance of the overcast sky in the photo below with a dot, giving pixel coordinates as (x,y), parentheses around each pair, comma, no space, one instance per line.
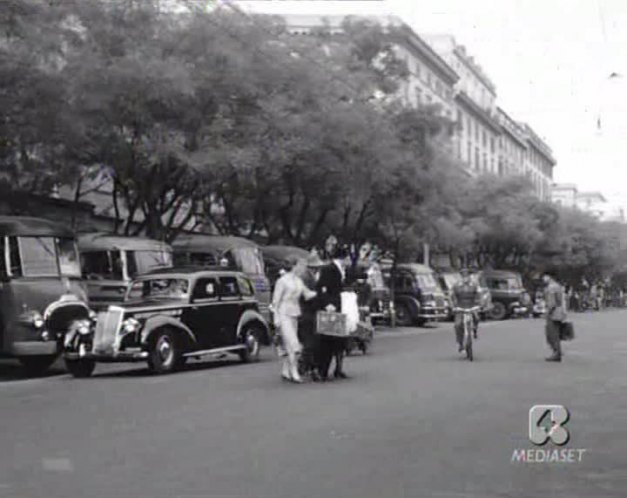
(551,61)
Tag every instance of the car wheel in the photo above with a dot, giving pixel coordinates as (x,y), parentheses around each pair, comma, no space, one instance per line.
(498,312)
(250,337)
(164,355)
(80,369)
(403,315)
(37,365)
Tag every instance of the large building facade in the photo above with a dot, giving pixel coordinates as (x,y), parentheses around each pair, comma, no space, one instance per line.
(539,164)
(478,134)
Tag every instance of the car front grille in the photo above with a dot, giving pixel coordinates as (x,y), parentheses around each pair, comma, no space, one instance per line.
(107,325)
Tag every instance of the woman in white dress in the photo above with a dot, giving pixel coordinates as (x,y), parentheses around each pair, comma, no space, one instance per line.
(286,307)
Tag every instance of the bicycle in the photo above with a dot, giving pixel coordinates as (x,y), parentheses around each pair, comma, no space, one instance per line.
(468,324)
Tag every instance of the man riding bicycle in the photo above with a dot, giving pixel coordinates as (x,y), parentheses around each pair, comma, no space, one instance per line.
(466,296)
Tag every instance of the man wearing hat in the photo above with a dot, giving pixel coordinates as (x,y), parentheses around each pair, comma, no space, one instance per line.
(329,288)
(465,295)
(307,322)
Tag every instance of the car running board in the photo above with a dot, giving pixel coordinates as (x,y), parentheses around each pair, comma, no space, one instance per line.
(214,352)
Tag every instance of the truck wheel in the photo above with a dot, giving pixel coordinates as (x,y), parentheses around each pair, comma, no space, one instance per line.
(498,311)
(37,365)
(80,369)
(250,337)
(403,315)
(165,353)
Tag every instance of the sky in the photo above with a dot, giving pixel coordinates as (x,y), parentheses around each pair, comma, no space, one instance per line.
(551,61)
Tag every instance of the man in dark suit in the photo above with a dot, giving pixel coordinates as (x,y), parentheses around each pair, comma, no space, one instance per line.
(329,289)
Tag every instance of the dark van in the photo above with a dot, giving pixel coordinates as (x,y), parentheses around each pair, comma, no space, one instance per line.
(509,297)
(418,297)
(110,262)
(41,294)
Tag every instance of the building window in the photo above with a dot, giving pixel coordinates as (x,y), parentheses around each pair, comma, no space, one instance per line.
(477,157)
(492,146)
(418,96)
(417,70)
(469,151)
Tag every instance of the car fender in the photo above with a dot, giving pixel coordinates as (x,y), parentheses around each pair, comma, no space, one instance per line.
(411,302)
(160,321)
(254,316)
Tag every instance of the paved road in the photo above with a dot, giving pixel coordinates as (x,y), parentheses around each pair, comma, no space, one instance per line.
(414,420)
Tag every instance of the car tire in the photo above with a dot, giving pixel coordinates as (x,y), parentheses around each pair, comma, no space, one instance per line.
(250,337)
(37,365)
(498,311)
(165,352)
(80,369)
(403,315)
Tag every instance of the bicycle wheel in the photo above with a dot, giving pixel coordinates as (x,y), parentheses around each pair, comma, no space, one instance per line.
(468,335)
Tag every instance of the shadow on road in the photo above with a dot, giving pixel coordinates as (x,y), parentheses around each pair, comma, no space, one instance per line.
(12,371)
(142,370)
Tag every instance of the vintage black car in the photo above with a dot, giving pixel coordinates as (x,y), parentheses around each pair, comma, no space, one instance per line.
(40,289)
(169,316)
(509,297)
(418,297)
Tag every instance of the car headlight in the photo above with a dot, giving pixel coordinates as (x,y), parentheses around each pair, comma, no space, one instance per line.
(81,327)
(37,320)
(33,318)
(130,325)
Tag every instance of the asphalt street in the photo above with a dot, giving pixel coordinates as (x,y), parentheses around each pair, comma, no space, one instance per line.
(414,420)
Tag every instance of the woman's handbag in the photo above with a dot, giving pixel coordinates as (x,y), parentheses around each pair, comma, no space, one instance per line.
(567,331)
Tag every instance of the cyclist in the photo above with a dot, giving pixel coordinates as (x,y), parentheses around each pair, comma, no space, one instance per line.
(465,295)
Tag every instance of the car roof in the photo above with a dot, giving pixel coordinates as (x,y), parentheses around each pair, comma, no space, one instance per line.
(204,242)
(282,252)
(500,273)
(191,271)
(99,241)
(26,226)
(415,267)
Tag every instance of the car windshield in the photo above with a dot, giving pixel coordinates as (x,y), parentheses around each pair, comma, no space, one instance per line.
(505,283)
(142,262)
(426,281)
(248,260)
(159,288)
(38,256)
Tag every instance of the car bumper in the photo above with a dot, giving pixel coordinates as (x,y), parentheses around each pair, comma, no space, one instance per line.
(119,357)
(432,313)
(34,348)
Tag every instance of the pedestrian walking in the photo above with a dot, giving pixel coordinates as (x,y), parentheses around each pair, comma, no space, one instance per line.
(555,316)
(288,291)
(307,335)
(329,288)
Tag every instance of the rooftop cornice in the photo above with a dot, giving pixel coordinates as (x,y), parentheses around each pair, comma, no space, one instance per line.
(417,43)
(475,68)
(479,112)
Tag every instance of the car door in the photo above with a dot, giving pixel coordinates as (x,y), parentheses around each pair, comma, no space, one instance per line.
(203,315)
(230,309)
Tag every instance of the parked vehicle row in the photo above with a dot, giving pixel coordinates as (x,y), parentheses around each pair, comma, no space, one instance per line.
(112,298)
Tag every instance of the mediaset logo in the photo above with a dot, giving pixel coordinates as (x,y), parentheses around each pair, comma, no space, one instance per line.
(548,423)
